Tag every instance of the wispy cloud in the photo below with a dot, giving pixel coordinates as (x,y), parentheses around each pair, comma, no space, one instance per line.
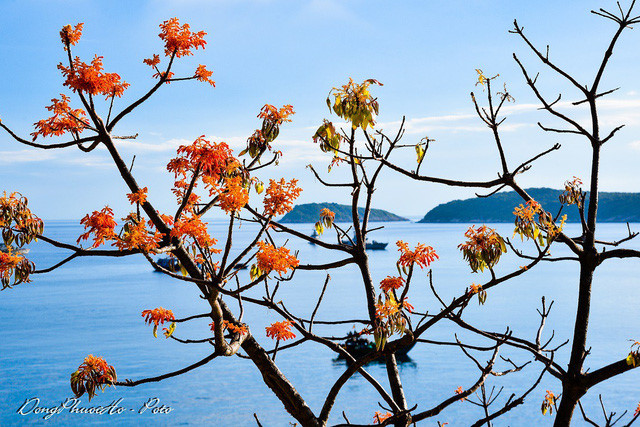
(24,156)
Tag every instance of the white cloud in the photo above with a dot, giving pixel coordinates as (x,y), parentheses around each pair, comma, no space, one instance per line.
(635,145)
(25,156)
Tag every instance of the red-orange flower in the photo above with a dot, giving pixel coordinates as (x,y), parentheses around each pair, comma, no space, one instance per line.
(275,259)
(179,40)
(474,289)
(204,75)
(390,283)
(276,115)
(14,265)
(637,412)
(193,227)
(210,160)
(483,247)
(101,224)
(238,329)
(153,61)
(280,196)
(158,316)
(233,195)
(71,35)
(64,119)
(280,330)
(135,235)
(93,374)
(422,255)
(379,417)
(91,79)
(139,197)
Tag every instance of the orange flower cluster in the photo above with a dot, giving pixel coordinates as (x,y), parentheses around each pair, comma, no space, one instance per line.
(460,390)
(237,329)
(14,265)
(210,160)
(179,40)
(548,403)
(91,79)
(139,197)
(204,75)
(135,235)
(391,317)
(93,374)
(387,308)
(280,331)
(71,35)
(527,213)
(637,412)
(422,255)
(64,119)
(193,227)
(233,195)
(526,225)
(280,196)
(101,224)
(272,114)
(353,102)
(153,61)
(483,247)
(379,417)
(390,283)
(269,258)
(158,316)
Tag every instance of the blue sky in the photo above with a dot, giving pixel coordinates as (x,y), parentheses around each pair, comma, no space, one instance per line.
(269,51)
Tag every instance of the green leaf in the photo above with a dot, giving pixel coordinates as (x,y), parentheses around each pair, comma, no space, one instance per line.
(155,331)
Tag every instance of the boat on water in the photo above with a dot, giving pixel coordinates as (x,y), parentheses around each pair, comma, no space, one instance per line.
(168,263)
(359,346)
(19,251)
(373,245)
(314,235)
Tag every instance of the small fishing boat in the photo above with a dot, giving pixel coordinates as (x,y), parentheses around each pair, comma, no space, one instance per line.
(168,263)
(373,245)
(314,235)
(358,346)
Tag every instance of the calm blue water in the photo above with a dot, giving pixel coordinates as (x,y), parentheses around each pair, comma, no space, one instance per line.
(93,306)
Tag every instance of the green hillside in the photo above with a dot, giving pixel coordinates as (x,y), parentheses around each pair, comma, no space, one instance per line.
(310,212)
(613,207)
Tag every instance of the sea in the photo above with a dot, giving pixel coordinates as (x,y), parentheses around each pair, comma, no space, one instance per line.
(93,306)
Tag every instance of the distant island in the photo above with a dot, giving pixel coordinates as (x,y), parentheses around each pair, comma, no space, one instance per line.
(612,207)
(310,213)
